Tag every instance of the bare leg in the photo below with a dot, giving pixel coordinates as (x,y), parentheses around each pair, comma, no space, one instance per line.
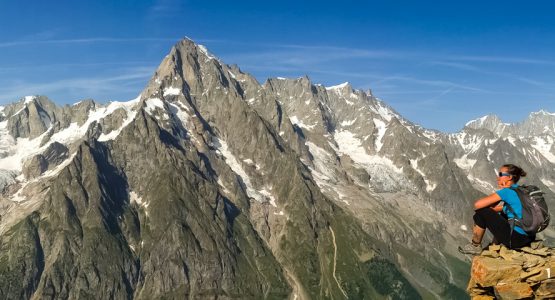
(477,234)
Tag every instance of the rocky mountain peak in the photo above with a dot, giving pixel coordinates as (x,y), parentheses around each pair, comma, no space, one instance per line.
(30,117)
(542,112)
(345,87)
(490,122)
(538,123)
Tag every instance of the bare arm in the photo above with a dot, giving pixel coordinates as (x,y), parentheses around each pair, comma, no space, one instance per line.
(488,201)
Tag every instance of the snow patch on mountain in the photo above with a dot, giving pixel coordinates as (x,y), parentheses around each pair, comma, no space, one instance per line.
(29,99)
(430,186)
(543,112)
(295,121)
(205,51)
(152,104)
(18,196)
(263,195)
(432,135)
(385,112)
(382,128)
(223,186)
(470,143)
(384,175)
(348,123)
(465,163)
(6,141)
(511,140)
(172,91)
(481,185)
(324,174)
(350,145)
(478,122)
(15,152)
(544,144)
(335,88)
(131,114)
(321,172)
(268,196)
(135,198)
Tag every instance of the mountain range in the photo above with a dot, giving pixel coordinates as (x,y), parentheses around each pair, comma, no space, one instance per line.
(212,185)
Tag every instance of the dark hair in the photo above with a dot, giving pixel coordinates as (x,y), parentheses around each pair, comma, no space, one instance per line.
(515,171)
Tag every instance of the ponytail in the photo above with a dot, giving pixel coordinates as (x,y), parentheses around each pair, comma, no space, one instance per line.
(515,171)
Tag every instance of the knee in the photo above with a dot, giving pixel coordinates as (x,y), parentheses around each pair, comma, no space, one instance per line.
(477,218)
(480,217)
(483,210)
(478,213)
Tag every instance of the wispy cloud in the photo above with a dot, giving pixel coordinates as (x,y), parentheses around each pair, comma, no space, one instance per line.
(500,59)
(82,87)
(396,54)
(165,8)
(305,56)
(409,92)
(482,70)
(83,41)
(322,59)
(299,59)
(453,65)
(433,100)
(535,82)
(34,67)
(440,83)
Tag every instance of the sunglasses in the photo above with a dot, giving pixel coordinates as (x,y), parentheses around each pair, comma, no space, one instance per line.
(501,174)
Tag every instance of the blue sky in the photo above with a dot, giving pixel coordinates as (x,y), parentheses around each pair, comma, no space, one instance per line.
(438,63)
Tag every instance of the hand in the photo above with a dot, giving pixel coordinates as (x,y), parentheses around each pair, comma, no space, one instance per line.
(498,207)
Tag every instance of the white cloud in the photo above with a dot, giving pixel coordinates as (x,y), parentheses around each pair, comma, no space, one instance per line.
(84,41)
(81,87)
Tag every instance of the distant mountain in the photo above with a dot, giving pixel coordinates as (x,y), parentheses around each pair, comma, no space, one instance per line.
(212,185)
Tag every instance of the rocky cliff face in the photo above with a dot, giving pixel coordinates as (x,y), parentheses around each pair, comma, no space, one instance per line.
(186,191)
(211,185)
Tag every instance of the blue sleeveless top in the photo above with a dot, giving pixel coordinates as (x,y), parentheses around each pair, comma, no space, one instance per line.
(510,197)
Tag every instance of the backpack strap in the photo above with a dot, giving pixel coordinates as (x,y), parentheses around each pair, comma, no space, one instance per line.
(512,222)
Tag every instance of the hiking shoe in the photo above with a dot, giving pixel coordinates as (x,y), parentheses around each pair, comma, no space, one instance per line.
(470,248)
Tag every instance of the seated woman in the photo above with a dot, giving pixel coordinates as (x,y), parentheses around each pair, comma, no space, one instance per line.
(487,214)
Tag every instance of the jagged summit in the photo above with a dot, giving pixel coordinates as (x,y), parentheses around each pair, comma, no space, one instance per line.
(537,124)
(542,112)
(490,122)
(345,85)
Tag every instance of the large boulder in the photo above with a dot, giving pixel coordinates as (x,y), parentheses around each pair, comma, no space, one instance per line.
(501,273)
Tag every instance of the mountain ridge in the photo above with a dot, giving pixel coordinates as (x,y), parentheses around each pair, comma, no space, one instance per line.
(307,189)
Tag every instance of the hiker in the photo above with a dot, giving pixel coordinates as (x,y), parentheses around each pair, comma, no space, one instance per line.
(492,213)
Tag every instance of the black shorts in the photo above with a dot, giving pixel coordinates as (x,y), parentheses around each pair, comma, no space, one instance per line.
(500,228)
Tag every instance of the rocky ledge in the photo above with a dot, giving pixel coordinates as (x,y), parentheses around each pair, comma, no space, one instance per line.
(502,273)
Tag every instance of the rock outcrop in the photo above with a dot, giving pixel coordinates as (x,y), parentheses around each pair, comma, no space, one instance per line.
(502,273)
